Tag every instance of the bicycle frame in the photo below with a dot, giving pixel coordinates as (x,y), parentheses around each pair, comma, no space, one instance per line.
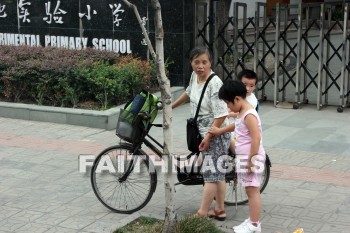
(183,177)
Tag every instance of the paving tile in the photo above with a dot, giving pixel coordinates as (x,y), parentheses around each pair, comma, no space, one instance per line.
(273,136)
(15,192)
(287,211)
(346,152)
(342,165)
(344,208)
(34,227)
(338,190)
(314,215)
(304,193)
(323,206)
(27,175)
(307,225)
(102,226)
(52,218)
(9,171)
(77,222)
(110,222)
(57,229)
(5,198)
(313,186)
(27,215)
(11,182)
(295,122)
(55,161)
(67,210)
(331,197)
(45,207)
(21,203)
(338,136)
(291,157)
(342,219)
(296,201)
(11,225)
(276,221)
(333,227)
(6,211)
(330,147)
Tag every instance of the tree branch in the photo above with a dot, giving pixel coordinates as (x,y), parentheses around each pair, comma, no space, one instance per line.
(144,31)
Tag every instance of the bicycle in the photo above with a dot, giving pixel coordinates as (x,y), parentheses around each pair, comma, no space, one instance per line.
(132,187)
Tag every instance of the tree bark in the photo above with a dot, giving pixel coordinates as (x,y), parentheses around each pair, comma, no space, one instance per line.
(164,83)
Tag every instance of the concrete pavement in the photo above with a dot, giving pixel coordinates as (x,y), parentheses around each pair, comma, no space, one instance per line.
(41,189)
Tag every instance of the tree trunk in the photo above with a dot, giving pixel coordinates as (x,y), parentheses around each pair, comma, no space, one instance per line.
(164,83)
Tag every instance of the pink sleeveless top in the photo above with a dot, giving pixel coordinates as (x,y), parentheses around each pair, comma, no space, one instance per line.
(242,136)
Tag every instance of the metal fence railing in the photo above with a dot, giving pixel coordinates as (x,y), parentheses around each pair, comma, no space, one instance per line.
(299,58)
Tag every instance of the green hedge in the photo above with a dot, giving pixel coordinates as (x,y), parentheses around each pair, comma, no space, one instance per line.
(62,77)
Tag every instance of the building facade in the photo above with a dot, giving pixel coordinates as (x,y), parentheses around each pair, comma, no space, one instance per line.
(110,25)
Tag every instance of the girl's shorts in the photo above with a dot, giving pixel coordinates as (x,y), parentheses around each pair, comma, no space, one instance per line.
(250,179)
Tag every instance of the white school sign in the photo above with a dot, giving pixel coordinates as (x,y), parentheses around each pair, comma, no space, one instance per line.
(113,45)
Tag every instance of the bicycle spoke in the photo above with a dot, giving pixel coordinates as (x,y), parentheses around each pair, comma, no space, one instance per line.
(139,190)
(133,195)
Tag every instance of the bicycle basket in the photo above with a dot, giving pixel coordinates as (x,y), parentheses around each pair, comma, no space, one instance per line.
(129,127)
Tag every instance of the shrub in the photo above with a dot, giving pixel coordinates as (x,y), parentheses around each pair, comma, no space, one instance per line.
(101,79)
(142,225)
(193,224)
(190,224)
(134,74)
(62,77)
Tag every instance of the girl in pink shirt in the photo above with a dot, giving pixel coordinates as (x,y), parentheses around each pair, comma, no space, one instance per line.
(250,154)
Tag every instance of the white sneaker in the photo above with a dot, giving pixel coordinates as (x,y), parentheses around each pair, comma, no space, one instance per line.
(249,228)
(240,225)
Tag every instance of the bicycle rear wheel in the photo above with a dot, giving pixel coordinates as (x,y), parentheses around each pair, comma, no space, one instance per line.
(122,181)
(242,198)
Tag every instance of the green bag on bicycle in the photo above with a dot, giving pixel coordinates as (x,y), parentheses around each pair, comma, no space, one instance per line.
(143,102)
(130,125)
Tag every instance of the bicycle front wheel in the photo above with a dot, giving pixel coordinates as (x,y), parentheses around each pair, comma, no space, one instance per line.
(122,181)
(237,193)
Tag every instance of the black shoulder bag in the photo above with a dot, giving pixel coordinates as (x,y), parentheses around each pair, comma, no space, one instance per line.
(194,138)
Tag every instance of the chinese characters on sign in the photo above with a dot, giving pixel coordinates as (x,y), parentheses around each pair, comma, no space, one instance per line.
(56,13)
(2,11)
(116,9)
(144,22)
(88,14)
(23,10)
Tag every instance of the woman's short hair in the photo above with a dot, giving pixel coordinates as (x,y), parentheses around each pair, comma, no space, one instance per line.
(197,51)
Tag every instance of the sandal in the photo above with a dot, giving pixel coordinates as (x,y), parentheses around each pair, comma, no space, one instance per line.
(217,214)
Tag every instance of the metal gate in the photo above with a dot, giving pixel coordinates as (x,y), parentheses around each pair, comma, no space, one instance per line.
(299,59)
